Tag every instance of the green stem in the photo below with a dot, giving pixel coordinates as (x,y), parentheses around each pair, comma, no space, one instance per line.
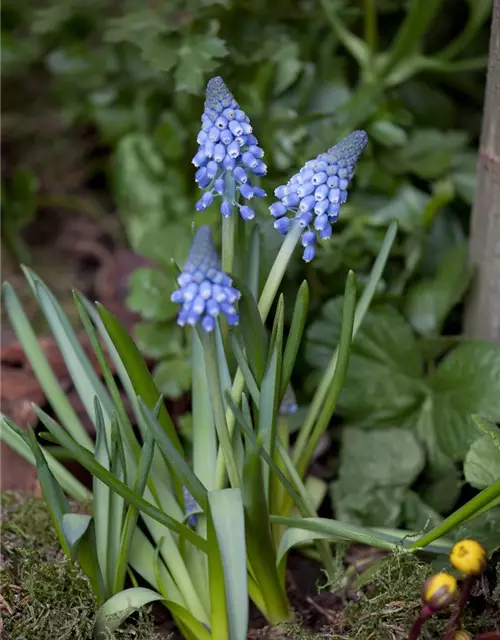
(228,241)
(371,34)
(459,516)
(361,310)
(215,390)
(15,244)
(278,270)
(229,226)
(266,299)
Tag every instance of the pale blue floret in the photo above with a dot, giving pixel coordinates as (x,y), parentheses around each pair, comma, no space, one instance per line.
(228,154)
(204,290)
(315,194)
(191,507)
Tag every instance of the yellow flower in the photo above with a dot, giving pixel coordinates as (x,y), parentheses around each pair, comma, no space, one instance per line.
(469,557)
(439,590)
(462,635)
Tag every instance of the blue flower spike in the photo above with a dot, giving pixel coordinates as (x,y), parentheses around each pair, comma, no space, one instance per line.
(228,155)
(315,194)
(205,291)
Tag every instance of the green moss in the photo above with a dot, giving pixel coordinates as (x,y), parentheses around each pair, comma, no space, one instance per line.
(392,602)
(45,595)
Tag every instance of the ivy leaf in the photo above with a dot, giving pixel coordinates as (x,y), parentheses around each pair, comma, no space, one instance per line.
(428,302)
(466,382)
(173,377)
(376,469)
(198,55)
(150,291)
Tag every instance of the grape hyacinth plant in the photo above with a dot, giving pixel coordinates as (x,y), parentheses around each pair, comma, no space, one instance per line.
(208,524)
(228,153)
(315,194)
(204,290)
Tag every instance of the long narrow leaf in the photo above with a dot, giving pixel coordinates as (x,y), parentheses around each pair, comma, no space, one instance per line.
(226,510)
(17,440)
(129,526)
(57,504)
(43,371)
(294,335)
(87,460)
(115,610)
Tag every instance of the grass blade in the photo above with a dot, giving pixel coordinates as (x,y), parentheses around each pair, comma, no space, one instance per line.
(119,607)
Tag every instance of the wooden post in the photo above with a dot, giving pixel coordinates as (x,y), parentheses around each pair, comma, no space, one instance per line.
(482,318)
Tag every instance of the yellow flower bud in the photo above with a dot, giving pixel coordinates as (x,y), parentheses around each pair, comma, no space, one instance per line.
(462,635)
(469,557)
(439,590)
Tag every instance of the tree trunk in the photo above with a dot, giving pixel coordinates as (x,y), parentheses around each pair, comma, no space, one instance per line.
(482,319)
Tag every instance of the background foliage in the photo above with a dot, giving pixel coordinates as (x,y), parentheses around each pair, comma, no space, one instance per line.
(118,88)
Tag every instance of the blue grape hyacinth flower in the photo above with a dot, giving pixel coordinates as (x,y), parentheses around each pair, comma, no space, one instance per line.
(228,154)
(205,291)
(315,194)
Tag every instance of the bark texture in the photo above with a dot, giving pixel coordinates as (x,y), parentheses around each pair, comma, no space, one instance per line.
(482,318)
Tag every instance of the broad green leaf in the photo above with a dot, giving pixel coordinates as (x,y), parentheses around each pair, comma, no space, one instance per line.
(198,56)
(226,509)
(149,294)
(120,606)
(376,468)
(158,340)
(417,515)
(466,382)
(482,462)
(173,377)
(385,362)
(388,133)
(429,153)
(428,302)
(485,529)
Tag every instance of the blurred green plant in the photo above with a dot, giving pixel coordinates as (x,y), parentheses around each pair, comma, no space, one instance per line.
(411,75)
(19,205)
